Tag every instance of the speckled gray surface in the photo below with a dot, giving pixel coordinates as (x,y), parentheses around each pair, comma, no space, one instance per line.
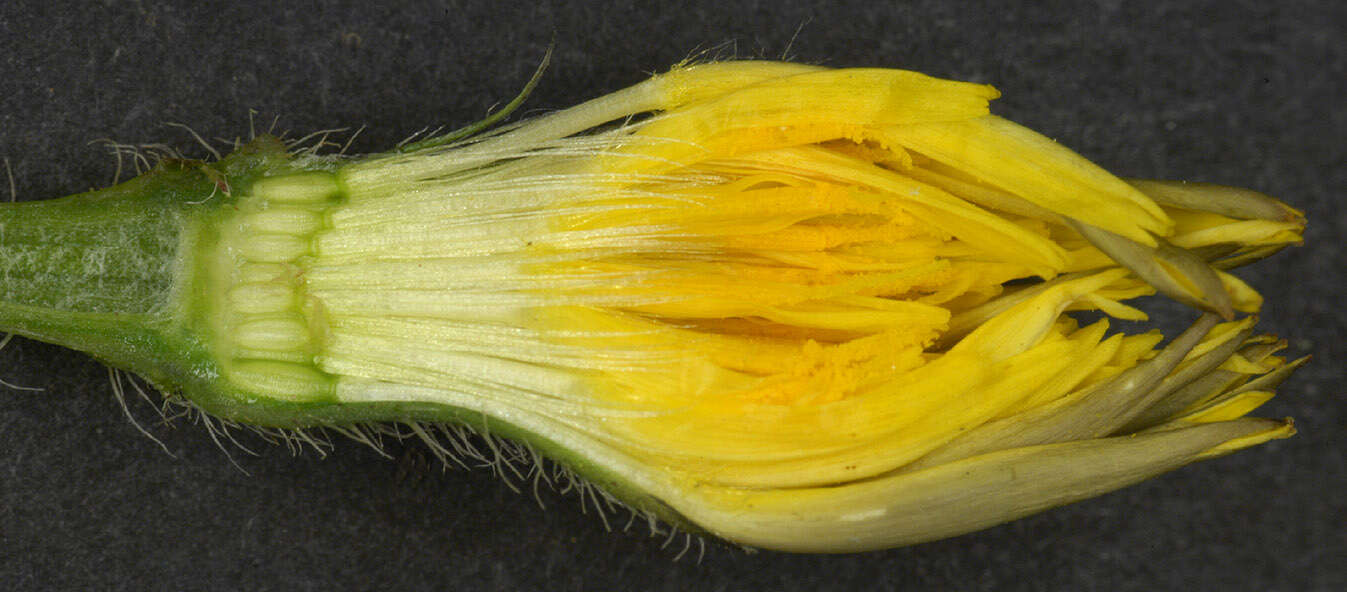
(1242,93)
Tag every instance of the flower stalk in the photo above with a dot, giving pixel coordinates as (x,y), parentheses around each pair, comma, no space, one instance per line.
(794,307)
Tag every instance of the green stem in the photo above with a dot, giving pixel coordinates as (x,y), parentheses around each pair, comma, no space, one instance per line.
(93,271)
(104,272)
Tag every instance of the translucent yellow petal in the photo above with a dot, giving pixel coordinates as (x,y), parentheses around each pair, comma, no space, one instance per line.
(993,234)
(1244,297)
(883,430)
(946,500)
(824,104)
(685,84)
(1096,354)
(1039,171)
(1026,323)
(1229,408)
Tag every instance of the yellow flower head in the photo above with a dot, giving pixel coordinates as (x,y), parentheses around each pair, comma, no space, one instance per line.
(797,307)
(794,307)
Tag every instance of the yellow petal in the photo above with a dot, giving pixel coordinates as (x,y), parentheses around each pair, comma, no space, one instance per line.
(800,109)
(959,497)
(1041,172)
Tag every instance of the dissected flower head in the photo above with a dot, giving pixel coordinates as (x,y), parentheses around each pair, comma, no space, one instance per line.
(800,308)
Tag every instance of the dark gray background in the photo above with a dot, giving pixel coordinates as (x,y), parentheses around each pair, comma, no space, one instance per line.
(1243,93)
